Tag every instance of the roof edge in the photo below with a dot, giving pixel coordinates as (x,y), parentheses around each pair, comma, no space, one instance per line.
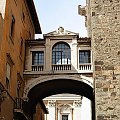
(34,16)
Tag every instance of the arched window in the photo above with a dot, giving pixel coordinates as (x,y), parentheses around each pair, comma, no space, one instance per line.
(61,53)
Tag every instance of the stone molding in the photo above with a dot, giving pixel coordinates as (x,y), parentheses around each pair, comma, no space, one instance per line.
(52,103)
(77,103)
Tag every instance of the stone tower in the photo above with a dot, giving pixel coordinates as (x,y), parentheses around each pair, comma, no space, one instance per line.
(103,25)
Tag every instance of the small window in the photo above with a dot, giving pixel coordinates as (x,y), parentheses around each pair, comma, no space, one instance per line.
(12,26)
(64,117)
(9,66)
(8,75)
(21,47)
(84,56)
(38,58)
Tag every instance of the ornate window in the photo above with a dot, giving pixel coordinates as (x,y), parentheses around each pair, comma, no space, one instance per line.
(61,53)
(38,58)
(84,56)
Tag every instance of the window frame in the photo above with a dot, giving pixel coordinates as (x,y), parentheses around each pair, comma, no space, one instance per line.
(11,64)
(8,77)
(61,53)
(12,27)
(86,59)
(37,61)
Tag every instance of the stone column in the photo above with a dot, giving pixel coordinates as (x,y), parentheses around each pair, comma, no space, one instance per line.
(105,18)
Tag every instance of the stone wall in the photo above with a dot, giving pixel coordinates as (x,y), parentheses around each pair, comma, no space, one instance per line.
(105,26)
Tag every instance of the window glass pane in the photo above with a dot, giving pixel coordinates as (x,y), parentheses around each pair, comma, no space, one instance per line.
(61,54)
(64,117)
(84,56)
(38,58)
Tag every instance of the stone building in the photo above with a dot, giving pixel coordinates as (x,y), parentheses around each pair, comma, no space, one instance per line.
(68,107)
(18,22)
(61,62)
(103,25)
(98,79)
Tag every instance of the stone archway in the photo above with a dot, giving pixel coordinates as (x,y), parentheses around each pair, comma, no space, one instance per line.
(44,86)
(81,80)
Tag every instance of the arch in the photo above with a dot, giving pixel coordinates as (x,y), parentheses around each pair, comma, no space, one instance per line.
(46,86)
(59,43)
(61,53)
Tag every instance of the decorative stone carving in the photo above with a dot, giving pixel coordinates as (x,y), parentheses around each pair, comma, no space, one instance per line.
(61,30)
(77,103)
(64,108)
(52,103)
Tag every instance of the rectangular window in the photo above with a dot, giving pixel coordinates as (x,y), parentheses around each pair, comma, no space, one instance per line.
(12,26)
(9,66)
(64,117)
(8,75)
(84,56)
(38,58)
(21,47)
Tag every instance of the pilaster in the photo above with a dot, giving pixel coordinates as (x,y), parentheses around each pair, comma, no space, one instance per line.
(51,105)
(74,52)
(77,110)
(48,53)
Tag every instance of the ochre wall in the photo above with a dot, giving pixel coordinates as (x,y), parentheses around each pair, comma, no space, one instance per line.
(24,29)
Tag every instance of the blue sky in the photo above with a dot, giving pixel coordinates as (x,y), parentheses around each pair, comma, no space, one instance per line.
(55,13)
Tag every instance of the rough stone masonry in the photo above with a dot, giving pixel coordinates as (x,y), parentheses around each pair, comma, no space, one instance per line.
(105,22)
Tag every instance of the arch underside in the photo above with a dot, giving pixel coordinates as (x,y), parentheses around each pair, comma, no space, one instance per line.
(59,86)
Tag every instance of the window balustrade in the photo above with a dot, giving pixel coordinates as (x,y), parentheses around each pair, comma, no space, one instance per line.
(37,67)
(61,67)
(85,67)
(57,67)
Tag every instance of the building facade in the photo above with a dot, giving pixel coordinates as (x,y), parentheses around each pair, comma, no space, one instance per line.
(60,56)
(68,107)
(18,22)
